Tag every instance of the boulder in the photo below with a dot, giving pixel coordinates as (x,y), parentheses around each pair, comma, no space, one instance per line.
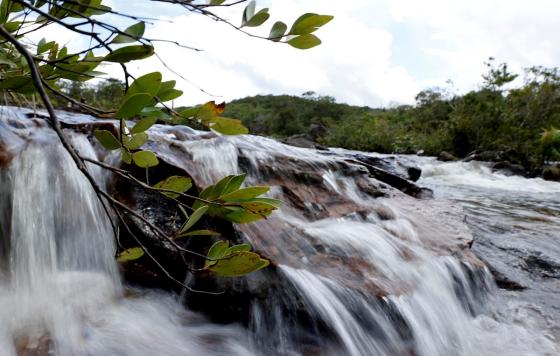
(495,156)
(34,346)
(446,157)
(303,141)
(551,172)
(390,164)
(316,131)
(508,168)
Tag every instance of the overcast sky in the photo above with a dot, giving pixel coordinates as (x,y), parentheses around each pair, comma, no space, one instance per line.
(375,52)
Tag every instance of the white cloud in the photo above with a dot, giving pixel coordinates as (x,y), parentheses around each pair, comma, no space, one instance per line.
(463,34)
(374,52)
(353,64)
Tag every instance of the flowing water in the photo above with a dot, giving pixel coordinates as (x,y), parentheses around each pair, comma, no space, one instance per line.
(516,223)
(61,286)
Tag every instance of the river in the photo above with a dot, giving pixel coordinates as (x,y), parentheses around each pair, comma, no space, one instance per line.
(377,273)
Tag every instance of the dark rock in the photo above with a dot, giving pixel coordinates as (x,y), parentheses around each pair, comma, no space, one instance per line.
(398,182)
(303,141)
(414,173)
(503,281)
(34,346)
(391,165)
(495,156)
(508,168)
(551,172)
(540,265)
(446,157)
(316,131)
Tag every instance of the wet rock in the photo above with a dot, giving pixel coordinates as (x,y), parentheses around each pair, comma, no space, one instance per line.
(508,168)
(414,173)
(540,265)
(11,142)
(303,141)
(316,130)
(398,182)
(551,172)
(34,346)
(390,164)
(494,156)
(446,157)
(503,281)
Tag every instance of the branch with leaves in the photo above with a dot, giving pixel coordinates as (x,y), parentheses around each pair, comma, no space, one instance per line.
(29,69)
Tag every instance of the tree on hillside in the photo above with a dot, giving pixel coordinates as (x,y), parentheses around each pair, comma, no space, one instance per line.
(48,69)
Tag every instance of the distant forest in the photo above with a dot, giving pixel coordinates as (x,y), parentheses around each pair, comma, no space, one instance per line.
(507,113)
(499,116)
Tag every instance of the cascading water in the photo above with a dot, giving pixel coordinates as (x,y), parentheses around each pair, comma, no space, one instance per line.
(371,275)
(445,306)
(60,286)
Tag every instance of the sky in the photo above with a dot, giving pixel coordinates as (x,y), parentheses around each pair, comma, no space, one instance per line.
(375,52)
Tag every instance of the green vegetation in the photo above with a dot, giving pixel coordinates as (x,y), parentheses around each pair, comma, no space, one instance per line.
(500,116)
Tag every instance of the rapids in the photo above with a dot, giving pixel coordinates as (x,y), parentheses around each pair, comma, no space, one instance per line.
(61,286)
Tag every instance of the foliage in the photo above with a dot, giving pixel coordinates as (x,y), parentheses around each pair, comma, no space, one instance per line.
(27,69)
(488,119)
(550,142)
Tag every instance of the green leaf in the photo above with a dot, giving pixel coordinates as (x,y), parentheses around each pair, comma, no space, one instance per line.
(218,188)
(130,53)
(228,126)
(270,201)
(175,183)
(144,124)
(169,94)
(133,105)
(238,248)
(126,157)
(4,11)
(137,141)
(249,12)
(12,26)
(135,31)
(145,159)
(44,46)
(245,193)
(216,251)
(233,184)
(309,23)
(239,264)
(304,41)
(226,185)
(199,233)
(154,112)
(247,212)
(277,31)
(148,84)
(205,194)
(5,61)
(130,254)
(258,19)
(20,83)
(217,2)
(107,139)
(198,213)
(258,207)
(167,85)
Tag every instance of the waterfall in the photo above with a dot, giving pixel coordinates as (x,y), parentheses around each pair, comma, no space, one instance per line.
(362,269)
(60,287)
(440,305)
